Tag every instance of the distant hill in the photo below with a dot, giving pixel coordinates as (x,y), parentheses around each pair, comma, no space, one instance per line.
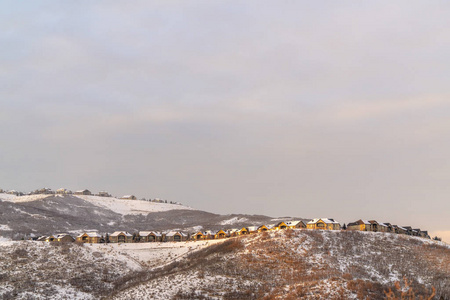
(22,216)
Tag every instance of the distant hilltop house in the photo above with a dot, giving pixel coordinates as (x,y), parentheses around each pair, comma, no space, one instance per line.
(83,192)
(103,194)
(120,237)
(43,191)
(324,223)
(14,192)
(63,191)
(129,197)
(1,191)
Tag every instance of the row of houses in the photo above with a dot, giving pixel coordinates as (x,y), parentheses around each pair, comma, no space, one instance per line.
(372,225)
(178,236)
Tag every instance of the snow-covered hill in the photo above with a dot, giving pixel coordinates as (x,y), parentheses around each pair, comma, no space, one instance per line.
(120,206)
(306,264)
(290,264)
(23,216)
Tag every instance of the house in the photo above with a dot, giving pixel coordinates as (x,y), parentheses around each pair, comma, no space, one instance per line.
(1,191)
(262,228)
(150,236)
(199,236)
(400,229)
(416,232)
(388,227)
(243,231)
(83,192)
(383,227)
(175,236)
(120,237)
(64,238)
(374,225)
(323,223)
(103,194)
(63,191)
(209,235)
(408,230)
(361,225)
(129,197)
(13,192)
(89,237)
(296,224)
(41,238)
(232,232)
(280,225)
(45,191)
(252,229)
(271,226)
(424,234)
(50,238)
(220,234)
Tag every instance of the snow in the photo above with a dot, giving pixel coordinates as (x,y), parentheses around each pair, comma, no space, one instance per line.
(131,207)
(121,206)
(5,227)
(27,198)
(233,221)
(152,254)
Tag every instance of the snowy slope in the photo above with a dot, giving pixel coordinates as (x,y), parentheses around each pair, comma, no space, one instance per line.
(121,206)
(18,199)
(130,207)
(308,264)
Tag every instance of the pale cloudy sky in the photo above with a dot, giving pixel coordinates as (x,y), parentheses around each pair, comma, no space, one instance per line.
(302,108)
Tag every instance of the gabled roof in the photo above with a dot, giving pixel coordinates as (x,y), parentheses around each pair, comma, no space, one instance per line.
(146,233)
(61,235)
(173,233)
(325,220)
(294,223)
(90,234)
(117,233)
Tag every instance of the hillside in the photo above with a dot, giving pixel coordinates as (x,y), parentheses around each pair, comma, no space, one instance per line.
(21,216)
(292,264)
(305,264)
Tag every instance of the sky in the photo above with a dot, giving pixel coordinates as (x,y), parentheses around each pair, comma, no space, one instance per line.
(282,108)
